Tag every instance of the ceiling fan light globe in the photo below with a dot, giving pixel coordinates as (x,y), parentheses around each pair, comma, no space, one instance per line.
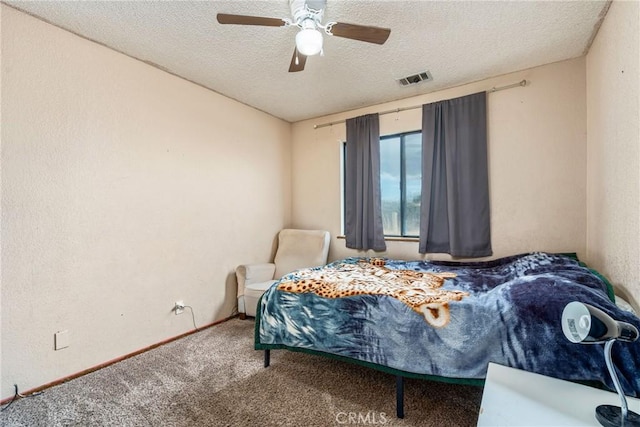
(309,41)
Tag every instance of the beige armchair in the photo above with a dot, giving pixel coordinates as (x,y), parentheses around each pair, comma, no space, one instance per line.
(296,249)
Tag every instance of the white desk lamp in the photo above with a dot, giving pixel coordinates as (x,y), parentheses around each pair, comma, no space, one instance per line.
(585,324)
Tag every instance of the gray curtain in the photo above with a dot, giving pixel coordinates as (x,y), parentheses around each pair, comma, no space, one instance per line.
(363,222)
(455,183)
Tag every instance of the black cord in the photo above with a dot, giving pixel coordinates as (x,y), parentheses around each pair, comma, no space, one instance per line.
(193,317)
(16,395)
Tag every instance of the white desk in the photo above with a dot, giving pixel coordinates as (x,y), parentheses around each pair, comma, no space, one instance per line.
(512,397)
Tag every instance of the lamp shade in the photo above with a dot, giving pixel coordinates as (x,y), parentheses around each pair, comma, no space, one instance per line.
(309,41)
(588,324)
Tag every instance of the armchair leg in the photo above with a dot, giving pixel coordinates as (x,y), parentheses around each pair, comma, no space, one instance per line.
(242,316)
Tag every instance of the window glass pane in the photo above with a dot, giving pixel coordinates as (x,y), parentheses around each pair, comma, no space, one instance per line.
(390,185)
(413,178)
(400,183)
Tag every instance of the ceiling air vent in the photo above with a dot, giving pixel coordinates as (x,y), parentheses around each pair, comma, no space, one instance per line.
(425,76)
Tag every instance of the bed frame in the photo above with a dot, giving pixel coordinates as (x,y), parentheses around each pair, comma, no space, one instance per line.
(400,375)
(399,386)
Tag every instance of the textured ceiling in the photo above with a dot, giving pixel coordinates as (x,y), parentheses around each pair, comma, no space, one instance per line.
(457,41)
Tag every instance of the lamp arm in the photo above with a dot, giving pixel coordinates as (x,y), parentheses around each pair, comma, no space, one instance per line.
(614,376)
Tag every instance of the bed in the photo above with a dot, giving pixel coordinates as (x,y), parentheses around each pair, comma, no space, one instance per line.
(446,320)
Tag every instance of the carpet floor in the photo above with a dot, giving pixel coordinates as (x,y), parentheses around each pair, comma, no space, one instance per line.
(215,378)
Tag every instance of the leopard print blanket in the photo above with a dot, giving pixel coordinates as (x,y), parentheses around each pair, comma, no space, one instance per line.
(418,290)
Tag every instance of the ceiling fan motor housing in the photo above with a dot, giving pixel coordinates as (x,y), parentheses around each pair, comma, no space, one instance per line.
(302,10)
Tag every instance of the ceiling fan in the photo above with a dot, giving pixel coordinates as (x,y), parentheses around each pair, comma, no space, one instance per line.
(307,16)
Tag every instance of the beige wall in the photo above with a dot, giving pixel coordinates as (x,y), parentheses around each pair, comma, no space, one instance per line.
(125,189)
(537,156)
(613,165)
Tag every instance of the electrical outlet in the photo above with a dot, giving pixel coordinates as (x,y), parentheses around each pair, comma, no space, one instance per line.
(61,340)
(179,307)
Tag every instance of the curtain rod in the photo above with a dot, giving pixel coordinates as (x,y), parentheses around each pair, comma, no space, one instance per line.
(397,110)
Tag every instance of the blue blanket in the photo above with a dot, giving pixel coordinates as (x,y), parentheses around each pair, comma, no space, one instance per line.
(506,311)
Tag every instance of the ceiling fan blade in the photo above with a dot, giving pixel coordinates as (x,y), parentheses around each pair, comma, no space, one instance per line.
(225,18)
(363,33)
(302,59)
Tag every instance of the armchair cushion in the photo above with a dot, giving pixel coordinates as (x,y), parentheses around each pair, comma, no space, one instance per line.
(257,289)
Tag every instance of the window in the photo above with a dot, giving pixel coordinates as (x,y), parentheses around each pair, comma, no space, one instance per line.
(400,183)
